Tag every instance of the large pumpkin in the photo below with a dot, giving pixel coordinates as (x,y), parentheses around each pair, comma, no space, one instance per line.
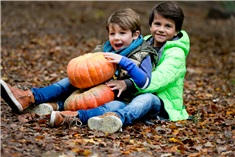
(94,97)
(89,70)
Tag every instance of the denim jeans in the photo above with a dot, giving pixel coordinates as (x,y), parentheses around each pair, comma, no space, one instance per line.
(140,106)
(57,92)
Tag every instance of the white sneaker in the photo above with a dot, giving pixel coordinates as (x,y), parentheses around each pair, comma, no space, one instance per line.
(108,122)
(42,109)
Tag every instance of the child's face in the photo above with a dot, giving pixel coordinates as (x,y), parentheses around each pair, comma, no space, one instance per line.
(120,38)
(162,29)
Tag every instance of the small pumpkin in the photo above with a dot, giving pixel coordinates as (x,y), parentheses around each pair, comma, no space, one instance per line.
(94,97)
(89,70)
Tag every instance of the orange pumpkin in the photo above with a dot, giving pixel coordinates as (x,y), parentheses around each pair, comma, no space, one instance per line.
(89,70)
(94,97)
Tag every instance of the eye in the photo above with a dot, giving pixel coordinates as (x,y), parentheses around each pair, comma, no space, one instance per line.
(122,32)
(168,26)
(111,33)
(157,23)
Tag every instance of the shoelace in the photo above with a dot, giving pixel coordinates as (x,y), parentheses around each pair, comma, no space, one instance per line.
(28,96)
(71,120)
(18,96)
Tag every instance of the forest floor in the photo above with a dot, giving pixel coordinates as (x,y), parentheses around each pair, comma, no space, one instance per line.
(38,39)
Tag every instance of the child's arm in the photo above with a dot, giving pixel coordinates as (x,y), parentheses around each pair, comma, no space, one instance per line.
(140,75)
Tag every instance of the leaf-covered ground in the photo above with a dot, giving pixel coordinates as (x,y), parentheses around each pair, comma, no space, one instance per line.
(38,39)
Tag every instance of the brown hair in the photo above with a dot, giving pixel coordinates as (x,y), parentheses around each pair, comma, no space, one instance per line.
(168,10)
(126,19)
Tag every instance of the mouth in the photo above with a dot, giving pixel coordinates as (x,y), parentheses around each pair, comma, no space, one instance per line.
(160,35)
(118,46)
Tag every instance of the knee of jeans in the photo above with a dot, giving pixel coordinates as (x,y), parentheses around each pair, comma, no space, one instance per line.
(114,105)
(150,97)
(63,83)
(122,105)
(147,95)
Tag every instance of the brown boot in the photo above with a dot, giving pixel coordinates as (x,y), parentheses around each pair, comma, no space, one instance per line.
(59,118)
(42,109)
(16,98)
(109,122)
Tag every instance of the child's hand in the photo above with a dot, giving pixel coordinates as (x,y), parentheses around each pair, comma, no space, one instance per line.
(112,57)
(119,85)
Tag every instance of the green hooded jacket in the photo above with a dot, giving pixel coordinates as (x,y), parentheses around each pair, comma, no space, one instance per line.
(168,77)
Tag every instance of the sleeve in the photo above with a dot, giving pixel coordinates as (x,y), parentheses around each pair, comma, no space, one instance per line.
(140,75)
(167,72)
(129,83)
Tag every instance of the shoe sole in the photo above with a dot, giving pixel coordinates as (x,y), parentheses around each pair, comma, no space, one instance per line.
(41,109)
(109,124)
(9,98)
(52,119)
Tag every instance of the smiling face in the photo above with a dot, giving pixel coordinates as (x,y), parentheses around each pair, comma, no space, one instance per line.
(120,38)
(162,29)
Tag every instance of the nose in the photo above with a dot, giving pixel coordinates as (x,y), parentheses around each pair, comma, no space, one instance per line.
(116,37)
(161,29)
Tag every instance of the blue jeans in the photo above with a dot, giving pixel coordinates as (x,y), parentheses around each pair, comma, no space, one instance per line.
(143,105)
(57,92)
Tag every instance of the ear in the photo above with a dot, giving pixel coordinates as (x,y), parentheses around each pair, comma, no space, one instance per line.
(176,32)
(136,34)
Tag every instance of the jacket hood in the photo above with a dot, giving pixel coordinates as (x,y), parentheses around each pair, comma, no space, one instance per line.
(183,42)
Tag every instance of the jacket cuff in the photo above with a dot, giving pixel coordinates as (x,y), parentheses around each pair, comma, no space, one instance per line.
(129,84)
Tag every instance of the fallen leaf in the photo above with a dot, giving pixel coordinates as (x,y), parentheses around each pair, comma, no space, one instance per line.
(176,140)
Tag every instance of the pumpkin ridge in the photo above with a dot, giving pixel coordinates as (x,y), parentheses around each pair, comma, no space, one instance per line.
(103,70)
(107,93)
(73,101)
(80,102)
(101,73)
(102,93)
(93,74)
(86,73)
(72,104)
(96,103)
(77,68)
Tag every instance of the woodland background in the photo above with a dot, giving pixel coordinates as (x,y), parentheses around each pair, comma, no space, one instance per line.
(38,39)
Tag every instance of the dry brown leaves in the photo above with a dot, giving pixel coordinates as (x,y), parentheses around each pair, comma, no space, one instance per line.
(35,52)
